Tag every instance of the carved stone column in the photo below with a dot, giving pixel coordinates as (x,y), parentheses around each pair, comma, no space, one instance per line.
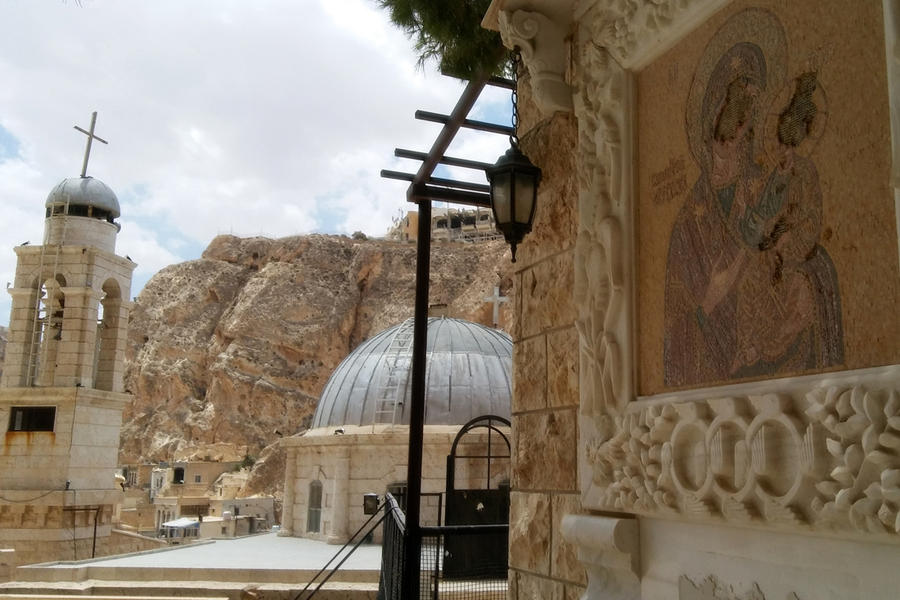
(290,482)
(75,356)
(542,42)
(609,549)
(18,348)
(338,533)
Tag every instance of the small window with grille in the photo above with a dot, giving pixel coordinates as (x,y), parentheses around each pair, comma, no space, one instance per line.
(32,418)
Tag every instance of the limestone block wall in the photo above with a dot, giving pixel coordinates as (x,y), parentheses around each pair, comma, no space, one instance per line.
(95,439)
(82,449)
(545,370)
(123,542)
(36,460)
(55,526)
(57,484)
(85,231)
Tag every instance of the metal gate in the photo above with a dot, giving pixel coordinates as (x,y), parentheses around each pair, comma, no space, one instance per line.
(482,556)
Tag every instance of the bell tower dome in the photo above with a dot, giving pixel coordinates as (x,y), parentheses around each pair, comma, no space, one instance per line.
(70,298)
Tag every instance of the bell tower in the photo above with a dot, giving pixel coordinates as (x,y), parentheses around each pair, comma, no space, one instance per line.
(61,393)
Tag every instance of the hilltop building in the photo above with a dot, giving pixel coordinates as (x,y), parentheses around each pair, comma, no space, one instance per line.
(449,225)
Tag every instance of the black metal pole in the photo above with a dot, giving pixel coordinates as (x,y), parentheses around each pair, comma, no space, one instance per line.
(96,514)
(413,539)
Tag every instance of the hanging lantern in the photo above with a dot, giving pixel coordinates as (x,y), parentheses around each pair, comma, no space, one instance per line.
(514,182)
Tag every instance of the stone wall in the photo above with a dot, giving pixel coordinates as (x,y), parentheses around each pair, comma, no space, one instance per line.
(775,488)
(124,542)
(545,370)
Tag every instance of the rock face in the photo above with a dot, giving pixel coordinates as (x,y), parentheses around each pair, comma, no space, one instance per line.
(236,347)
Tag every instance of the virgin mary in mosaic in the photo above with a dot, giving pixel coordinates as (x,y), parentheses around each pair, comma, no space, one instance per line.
(750,292)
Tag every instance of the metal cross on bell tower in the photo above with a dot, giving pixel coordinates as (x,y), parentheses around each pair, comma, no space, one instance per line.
(91,138)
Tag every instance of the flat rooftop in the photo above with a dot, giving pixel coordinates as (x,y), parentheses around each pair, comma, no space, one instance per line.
(266,551)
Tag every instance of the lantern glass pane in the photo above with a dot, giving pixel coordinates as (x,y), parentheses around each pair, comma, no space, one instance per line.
(524,197)
(500,197)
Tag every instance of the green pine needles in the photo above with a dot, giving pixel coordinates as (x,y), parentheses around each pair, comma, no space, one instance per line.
(450,32)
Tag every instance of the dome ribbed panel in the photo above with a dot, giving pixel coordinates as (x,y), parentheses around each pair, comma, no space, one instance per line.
(84,191)
(468,374)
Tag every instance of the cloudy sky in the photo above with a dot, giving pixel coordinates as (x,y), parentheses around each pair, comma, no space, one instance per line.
(249,117)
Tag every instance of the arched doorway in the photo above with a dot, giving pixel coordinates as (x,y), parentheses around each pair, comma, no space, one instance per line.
(478,494)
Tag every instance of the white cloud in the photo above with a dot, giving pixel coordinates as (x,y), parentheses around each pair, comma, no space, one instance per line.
(268,117)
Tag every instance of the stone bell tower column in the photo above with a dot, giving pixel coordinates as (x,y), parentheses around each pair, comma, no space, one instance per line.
(61,394)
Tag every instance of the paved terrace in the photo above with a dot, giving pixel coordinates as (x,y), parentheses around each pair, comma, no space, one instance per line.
(277,566)
(267,551)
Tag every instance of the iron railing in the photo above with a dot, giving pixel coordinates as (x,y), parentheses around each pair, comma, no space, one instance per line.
(327,572)
(444,571)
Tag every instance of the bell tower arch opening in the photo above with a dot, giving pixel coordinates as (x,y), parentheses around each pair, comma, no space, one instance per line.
(109,325)
(46,332)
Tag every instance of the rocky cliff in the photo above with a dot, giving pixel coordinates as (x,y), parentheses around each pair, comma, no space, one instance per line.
(232,350)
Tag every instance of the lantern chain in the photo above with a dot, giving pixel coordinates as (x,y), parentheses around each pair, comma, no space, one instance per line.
(516,58)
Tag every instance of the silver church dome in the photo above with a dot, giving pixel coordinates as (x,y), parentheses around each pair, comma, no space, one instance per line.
(468,374)
(83,192)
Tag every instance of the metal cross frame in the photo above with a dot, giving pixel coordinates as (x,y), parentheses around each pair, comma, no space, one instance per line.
(423,189)
(90,138)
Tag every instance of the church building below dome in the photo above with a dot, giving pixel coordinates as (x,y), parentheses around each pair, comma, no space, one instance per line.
(359,440)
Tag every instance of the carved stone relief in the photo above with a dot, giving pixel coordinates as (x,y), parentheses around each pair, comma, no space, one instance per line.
(602,280)
(822,452)
(542,44)
(635,31)
(827,457)
(712,589)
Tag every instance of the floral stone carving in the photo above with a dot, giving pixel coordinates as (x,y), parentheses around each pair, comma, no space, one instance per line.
(830,458)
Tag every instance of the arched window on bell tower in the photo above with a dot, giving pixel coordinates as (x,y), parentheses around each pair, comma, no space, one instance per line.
(108,338)
(46,332)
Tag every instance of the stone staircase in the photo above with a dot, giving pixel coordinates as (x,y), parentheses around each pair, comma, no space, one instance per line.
(63,582)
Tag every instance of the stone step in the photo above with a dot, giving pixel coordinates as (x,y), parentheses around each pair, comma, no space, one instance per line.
(181,590)
(139,574)
(53,596)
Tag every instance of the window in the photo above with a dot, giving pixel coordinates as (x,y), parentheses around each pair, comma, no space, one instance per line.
(224,531)
(197,479)
(178,475)
(314,512)
(32,418)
